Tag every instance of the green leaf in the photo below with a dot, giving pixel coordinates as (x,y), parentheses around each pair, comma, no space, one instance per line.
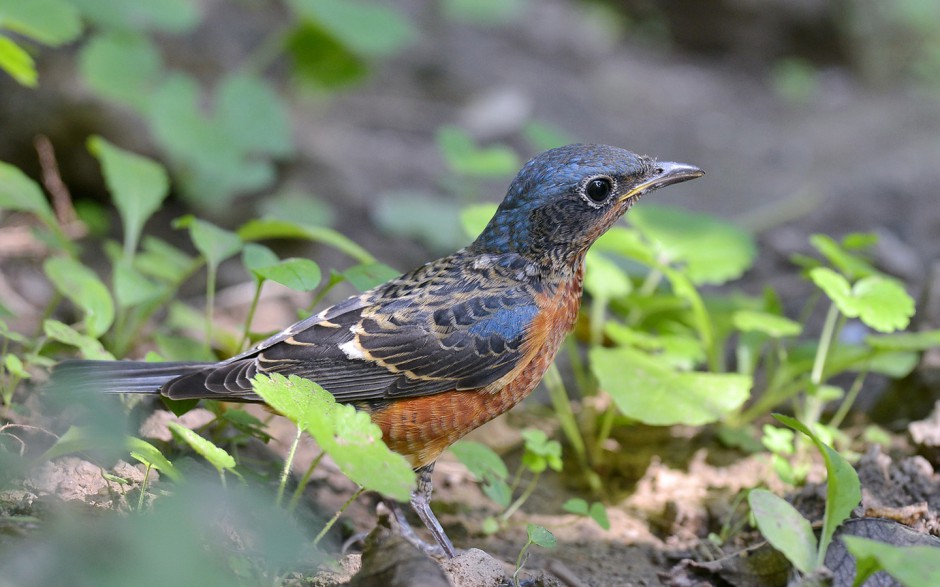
(138,187)
(131,288)
(498,491)
(907,341)
(713,251)
(859,240)
(883,303)
(604,279)
(179,406)
(181,348)
(212,167)
(540,452)
(766,323)
(79,439)
(474,218)
(8,334)
(432,221)
(487,12)
(648,390)
(368,28)
(878,301)
(216,456)
(255,256)
(368,275)
(174,16)
(18,63)
(542,136)
(464,157)
(19,193)
(83,288)
(14,365)
(540,536)
(489,526)
(214,243)
(262,229)
(252,115)
(784,528)
(51,22)
(344,433)
(162,260)
(683,287)
(295,205)
(149,455)
(852,266)
(913,566)
(777,440)
(121,67)
(576,505)
(843,490)
(626,242)
(297,274)
(598,513)
(480,459)
(321,59)
(89,347)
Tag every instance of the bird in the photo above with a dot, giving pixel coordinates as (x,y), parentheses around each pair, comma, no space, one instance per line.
(447,347)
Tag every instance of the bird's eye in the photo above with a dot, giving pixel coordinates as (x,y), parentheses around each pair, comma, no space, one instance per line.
(598,189)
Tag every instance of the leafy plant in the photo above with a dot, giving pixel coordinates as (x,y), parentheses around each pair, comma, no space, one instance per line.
(596,511)
(341,431)
(49,22)
(230,147)
(538,536)
(540,453)
(910,565)
(787,530)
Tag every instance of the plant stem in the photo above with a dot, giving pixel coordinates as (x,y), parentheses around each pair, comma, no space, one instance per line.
(287,465)
(516,478)
(849,399)
(598,311)
(336,516)
(607,424)
(582,378)
(569,425)
(514,507)
(649,285)
(143,487)
(210,303)
(562,405)
(520,562)
(813,404)
(251,313)
(295,498)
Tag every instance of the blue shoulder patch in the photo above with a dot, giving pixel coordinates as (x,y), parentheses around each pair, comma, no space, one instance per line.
(507,323)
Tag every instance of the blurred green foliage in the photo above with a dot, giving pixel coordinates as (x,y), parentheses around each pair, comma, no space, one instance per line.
(221,139)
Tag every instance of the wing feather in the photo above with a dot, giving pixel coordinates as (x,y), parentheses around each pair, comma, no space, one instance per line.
(436,330)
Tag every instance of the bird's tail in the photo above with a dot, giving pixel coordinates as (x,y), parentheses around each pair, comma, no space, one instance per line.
(118,376)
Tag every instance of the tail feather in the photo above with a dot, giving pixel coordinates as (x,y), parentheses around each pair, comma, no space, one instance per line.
(119,376)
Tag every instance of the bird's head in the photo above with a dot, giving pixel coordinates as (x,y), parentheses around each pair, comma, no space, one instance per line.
(564,199)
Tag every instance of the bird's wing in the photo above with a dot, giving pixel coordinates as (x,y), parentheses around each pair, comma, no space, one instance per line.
(382,345)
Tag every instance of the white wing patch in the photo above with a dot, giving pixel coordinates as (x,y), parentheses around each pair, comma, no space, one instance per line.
(352,350)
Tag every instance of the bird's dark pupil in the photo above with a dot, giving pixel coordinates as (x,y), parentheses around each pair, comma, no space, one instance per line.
(598,189)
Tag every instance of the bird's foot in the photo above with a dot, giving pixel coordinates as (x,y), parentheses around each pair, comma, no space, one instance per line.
(399,523)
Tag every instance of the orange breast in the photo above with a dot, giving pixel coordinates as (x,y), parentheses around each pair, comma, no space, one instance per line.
(422,428)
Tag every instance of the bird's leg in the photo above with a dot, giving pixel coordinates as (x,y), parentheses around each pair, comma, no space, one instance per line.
(421,502)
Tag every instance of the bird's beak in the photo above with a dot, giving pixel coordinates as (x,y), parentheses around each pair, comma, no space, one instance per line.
(665,173)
